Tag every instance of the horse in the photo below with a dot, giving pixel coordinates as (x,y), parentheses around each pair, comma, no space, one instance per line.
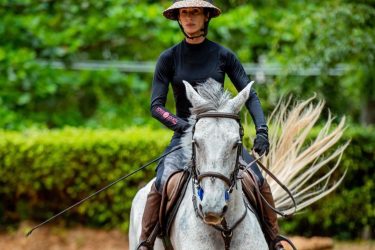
(214,195)
(216,143)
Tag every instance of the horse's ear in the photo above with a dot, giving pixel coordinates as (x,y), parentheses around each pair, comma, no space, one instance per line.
(192,95)
(237,102)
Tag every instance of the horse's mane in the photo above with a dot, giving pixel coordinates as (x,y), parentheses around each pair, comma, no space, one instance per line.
(214,94)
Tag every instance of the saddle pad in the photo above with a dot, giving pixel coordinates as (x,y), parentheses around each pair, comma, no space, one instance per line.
(172,195)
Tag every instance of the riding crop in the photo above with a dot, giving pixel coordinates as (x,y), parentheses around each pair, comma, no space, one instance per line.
(102,189)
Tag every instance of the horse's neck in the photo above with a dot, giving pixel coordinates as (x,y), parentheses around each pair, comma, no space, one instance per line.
(236,206)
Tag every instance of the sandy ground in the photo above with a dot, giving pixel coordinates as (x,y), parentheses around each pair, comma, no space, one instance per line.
(80,238)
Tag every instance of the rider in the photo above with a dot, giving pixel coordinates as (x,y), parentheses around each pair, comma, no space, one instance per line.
(196,59)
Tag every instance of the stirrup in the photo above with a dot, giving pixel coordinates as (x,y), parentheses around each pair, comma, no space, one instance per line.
(145,243)
(280,238)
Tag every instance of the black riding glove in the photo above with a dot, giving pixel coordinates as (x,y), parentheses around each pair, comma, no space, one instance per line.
(261,144)
(185,127)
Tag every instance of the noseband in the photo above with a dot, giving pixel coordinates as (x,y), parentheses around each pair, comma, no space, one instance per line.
(230,181)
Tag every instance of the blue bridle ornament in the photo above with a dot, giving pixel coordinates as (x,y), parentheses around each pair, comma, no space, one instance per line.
(200,193)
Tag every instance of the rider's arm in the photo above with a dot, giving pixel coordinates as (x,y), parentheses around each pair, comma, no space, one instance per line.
(238,76)
(162,78)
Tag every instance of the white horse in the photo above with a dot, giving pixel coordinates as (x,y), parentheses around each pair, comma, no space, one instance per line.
(216,144)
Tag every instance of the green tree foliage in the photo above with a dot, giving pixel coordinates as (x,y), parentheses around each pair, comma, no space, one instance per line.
(37,95)
(325,36)
(294,34)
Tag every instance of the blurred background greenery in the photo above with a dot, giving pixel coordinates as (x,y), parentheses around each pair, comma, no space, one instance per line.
(79,64)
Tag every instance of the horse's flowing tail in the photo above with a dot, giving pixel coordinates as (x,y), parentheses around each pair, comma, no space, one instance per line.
(301,165)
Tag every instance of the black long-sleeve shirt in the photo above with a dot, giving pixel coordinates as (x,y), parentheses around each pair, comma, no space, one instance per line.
(196,63)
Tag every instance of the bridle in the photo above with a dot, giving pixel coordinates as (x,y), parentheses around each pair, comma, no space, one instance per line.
(226,231)
(197,176)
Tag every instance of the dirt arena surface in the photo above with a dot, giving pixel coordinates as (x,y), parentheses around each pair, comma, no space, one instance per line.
(80,238)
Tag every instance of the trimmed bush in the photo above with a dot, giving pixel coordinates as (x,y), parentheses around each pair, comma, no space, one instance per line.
(43,172)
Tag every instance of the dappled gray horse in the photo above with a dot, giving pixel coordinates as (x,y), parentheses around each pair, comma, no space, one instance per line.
(216,192)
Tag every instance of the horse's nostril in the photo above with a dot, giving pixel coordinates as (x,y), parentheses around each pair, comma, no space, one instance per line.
(225,208)
(200,207)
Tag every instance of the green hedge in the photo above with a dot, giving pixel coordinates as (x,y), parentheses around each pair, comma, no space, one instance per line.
(43,172)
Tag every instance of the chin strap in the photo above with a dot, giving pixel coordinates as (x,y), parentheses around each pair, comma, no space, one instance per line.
(204,31)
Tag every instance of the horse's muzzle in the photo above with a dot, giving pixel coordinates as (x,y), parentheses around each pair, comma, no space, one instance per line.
(212,219)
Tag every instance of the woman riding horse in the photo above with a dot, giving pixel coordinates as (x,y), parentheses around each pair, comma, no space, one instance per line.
(196,59)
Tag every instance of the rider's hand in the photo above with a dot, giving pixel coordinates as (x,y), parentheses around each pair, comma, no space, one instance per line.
(185,127)
(261,144)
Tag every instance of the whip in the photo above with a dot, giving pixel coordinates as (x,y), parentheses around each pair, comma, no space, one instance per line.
(102,189)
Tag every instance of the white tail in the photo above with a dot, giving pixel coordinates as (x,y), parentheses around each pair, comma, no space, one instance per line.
(296,163)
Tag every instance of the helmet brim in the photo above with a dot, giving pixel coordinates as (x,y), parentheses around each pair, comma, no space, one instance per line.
(172,12)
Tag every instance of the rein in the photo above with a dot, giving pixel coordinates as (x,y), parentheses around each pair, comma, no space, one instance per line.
(280,184)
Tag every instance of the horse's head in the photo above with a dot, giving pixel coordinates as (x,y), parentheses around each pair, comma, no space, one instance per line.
(215,143)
